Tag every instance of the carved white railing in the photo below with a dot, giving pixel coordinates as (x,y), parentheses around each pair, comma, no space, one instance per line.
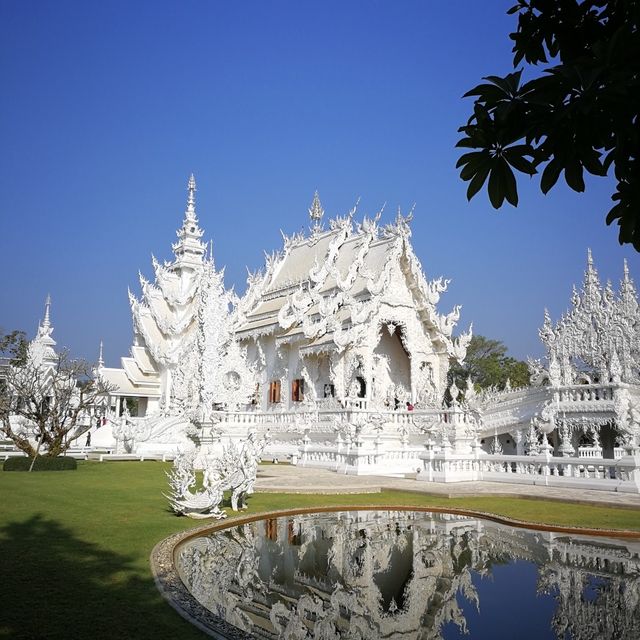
(622,474)
(356,458)
(596,452)
(586,392)
(347,414)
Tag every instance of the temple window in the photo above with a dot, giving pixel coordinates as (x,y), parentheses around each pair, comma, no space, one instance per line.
(297,390)
(329,391)
(271,529)
(274,391)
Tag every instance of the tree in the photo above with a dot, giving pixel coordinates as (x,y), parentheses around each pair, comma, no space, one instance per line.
(13,346)
(48,403)
(581,114)
(488,365)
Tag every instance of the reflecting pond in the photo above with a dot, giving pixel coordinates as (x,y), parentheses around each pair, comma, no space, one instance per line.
(408,574)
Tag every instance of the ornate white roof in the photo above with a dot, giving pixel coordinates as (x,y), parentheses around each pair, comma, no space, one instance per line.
(122,385)
(599,336)
(332,282)
(166,314)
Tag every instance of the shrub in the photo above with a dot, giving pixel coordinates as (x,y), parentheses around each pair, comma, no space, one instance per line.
(43,463)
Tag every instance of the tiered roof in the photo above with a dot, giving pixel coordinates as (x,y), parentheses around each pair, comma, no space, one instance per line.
(167,312)
(323,288)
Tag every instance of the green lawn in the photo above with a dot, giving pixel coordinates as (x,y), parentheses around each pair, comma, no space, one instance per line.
(75,545)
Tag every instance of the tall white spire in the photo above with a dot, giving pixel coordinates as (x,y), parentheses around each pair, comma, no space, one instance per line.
(100,358)
(41,349)
(46,323)
(189,250)
(591,286)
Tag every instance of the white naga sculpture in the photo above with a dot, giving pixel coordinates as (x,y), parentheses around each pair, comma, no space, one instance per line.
(235,470)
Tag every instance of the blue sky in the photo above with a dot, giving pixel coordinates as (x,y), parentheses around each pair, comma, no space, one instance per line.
(108,106)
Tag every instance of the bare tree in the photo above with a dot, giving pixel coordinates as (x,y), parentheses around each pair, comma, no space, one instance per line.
(48,403)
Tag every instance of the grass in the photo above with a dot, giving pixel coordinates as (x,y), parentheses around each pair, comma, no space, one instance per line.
(74,547)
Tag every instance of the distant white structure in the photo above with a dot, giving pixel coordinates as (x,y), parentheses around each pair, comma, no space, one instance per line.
(338,352)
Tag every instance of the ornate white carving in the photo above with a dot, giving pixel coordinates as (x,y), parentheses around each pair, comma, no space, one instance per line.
(599,336)
(234,470)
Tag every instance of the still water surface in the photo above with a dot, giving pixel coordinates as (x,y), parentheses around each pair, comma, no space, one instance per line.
(407,574)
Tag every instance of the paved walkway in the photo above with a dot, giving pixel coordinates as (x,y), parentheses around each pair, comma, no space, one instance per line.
(284,478)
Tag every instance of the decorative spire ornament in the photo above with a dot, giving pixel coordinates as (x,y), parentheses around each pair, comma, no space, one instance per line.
(496,445)
(46,323)
(100,358)
(189,250)
(41,349)
(315,214)
(190,213)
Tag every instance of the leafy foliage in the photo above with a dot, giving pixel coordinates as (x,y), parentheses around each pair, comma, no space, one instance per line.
(42,463)
(580,115)
(488,365)
(13,346)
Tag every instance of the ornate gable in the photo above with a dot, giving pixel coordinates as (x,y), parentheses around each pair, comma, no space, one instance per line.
(600,336)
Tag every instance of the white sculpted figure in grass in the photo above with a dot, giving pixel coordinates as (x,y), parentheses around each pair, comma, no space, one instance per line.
(184,499)
(235,470)
(238,468)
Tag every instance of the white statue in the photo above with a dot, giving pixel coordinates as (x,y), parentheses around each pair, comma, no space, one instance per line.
(187,502)
(235,470)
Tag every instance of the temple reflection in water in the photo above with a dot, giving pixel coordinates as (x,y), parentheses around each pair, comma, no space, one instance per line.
(405,574)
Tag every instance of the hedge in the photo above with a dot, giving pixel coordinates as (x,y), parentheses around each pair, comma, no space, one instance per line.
(43,463)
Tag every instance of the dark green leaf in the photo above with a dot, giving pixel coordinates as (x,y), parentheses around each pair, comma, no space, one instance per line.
(496,186)
(478,180)
(472,157)
(614,213)
(573,175)
(515,157)
(510,187)
(550,175)
(466,142)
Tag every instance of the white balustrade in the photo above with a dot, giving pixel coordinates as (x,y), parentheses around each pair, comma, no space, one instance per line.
(350,413)
(586,392)
(617,474)
(596,452)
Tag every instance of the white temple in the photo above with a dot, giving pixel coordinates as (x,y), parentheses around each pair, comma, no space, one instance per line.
(339,354)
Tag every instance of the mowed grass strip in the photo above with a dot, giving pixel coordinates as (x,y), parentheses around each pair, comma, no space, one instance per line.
(74,546)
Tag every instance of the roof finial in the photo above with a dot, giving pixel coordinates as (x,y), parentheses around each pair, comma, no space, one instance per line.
(625,270)
(46,323)
(100,359)
(191,198)
(589,258)
(316,212)
(189,250)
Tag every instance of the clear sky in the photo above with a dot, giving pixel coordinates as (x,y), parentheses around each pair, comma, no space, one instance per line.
(107,107)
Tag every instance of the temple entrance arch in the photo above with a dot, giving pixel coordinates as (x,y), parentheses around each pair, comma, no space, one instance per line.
(391,366)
